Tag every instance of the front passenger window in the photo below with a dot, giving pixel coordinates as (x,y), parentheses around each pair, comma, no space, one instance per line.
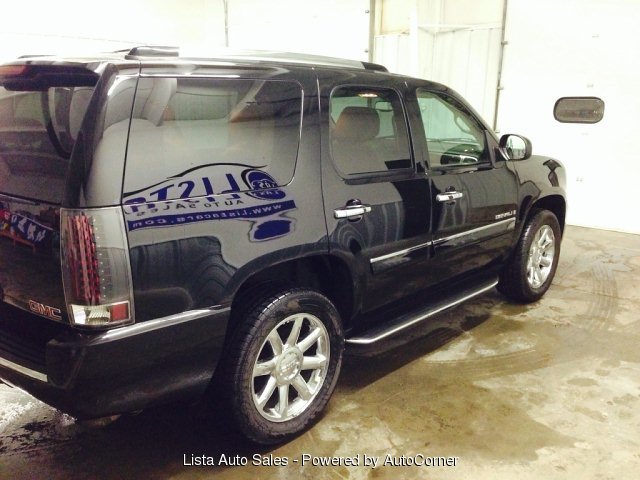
(453,136)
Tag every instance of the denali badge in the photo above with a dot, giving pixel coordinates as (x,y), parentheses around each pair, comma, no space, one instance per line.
(45,310)
(505,215)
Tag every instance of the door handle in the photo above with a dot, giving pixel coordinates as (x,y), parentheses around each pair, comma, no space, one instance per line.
(449,196)
(350,211)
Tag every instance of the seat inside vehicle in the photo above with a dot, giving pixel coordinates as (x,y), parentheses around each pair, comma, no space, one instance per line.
(354,148)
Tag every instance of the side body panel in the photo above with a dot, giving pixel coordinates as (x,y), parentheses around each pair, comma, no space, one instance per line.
(541,179)
(191,251)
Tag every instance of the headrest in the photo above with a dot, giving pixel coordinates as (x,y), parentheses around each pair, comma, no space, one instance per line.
(357,123)
(161,93)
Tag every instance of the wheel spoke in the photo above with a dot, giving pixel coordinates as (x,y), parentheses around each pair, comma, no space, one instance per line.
(537,275)
(530,265)
(295,332)
(542,240)
(545,244)
(547,239)
(545,261)
(283,400)
(264,368)
(275,341)
(537,238)
(301,387)
(314,363)
(309,340)
(267,392)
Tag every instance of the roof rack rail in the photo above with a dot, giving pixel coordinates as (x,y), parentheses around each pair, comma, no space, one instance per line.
(34,55)
(154,51)
(281,56)
(264,55)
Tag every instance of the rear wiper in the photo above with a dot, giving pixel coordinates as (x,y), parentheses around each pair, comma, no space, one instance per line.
(51,132)
(25,200)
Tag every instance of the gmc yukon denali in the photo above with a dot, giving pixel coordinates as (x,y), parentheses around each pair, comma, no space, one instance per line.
(178,228)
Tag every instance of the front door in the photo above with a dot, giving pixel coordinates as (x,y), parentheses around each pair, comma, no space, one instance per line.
(473,193)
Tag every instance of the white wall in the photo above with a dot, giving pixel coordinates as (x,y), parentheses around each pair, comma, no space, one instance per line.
(332,27)
(338,28)
(579,48)
(82,26)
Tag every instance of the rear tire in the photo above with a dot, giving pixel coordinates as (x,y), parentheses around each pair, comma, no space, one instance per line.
(281,364)
(530,270)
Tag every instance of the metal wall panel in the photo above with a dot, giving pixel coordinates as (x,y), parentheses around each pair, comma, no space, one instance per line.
(465,59)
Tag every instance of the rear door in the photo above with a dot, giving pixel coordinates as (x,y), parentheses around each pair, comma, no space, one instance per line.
(376,201)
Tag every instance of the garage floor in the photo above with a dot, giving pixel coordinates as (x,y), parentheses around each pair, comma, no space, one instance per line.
(550,390)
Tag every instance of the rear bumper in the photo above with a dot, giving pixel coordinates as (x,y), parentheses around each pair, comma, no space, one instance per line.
(121,370)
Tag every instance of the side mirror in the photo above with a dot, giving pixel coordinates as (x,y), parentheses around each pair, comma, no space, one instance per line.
(515,147)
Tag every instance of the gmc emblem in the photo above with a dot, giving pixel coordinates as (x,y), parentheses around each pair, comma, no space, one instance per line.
(45,310)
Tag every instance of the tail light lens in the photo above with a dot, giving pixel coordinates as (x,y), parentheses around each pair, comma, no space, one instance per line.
(95,267)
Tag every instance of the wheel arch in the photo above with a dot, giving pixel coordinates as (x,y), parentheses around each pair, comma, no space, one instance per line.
(555,204)
(329,274)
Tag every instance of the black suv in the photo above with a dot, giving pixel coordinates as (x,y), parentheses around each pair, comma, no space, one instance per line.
(177,227)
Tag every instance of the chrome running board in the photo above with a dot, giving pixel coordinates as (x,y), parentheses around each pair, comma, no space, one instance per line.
(380,332)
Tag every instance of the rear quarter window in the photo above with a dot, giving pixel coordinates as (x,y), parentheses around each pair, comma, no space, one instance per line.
(194,137)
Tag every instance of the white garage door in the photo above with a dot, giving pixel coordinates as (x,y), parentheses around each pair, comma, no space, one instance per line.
(338,28)
(574,48)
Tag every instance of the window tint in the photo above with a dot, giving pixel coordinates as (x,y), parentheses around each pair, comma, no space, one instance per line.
(202,136)
(453,136)
(38,130)
(579,110)
(368,130)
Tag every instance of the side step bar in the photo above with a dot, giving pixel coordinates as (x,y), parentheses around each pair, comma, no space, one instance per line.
(402,322)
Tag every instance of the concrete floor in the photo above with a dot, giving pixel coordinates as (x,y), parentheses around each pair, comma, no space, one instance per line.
(550,390)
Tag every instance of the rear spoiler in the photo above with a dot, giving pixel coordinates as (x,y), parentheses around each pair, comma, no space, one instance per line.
(39,77)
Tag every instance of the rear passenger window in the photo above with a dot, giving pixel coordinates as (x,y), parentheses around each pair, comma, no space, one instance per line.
(368,130)
(454,137)
(193,137)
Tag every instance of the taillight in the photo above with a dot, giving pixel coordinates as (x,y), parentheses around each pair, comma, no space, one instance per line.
(95,267)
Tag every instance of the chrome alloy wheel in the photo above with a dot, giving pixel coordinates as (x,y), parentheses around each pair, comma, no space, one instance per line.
(291,367)
(541,254)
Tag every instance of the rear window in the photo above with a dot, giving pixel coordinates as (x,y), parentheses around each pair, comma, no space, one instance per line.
(194,137)
(39,124)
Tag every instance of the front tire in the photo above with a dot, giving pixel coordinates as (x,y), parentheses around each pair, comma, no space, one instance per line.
(282,364)
(530,270)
